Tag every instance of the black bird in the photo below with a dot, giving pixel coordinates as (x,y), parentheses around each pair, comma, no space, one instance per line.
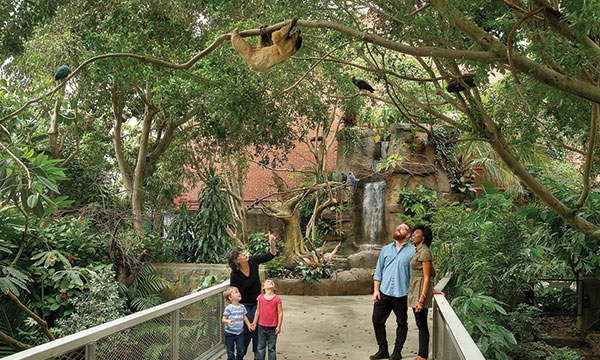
(362,85)
(62,72)
(455,86)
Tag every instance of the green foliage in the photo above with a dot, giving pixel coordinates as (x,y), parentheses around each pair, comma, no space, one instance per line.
(351,137)
(100,304)
(259,244)
(312,273)
(205,282)
(203,238)
(479,313)
(144,291)
(564,354)
(389,163)
(417,204)
(562,300)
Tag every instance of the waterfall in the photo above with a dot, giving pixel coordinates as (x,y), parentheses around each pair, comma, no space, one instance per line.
(372,212)
(385,146)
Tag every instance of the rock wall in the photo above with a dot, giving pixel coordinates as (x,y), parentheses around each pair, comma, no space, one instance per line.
(361,155)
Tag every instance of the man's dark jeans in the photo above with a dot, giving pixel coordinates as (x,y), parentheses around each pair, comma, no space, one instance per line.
(233,343)
(381,312)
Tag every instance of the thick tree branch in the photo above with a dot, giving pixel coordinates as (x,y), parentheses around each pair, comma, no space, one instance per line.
(541,73)
(169,133)
(117,107)
(13,343)
(589,156)
(41,322)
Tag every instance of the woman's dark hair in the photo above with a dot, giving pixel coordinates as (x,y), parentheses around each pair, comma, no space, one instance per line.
(232,256)
(427,235)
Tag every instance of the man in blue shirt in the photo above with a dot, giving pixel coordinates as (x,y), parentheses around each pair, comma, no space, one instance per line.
(391,281)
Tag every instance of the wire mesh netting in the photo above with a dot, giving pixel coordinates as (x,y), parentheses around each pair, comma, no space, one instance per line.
(196,328)
(200,328)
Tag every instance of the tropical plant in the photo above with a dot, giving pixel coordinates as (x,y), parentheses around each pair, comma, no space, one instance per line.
(145,290)
(100,304)
(211,240)
(479,313)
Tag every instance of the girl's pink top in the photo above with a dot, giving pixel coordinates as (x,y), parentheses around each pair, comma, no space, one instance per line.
(268,310)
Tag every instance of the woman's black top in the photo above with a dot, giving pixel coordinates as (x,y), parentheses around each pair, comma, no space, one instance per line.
(249,286)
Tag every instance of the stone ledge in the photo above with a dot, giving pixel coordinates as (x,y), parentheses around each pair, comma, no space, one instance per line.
(345,282)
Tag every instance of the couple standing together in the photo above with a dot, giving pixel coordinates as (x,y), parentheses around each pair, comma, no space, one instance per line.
(402,279)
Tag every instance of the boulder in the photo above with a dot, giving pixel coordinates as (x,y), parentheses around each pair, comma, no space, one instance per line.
(352,282)
(363,260)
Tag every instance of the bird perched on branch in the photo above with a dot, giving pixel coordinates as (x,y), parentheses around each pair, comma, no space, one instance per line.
(361,84)
(273,164)
(62,72)
(352,180)
(344,177)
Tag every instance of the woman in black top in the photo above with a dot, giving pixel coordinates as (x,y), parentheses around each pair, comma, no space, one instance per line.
(244,276)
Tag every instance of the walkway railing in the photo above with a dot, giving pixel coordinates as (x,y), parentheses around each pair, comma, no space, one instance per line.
(450,339)
(188,328)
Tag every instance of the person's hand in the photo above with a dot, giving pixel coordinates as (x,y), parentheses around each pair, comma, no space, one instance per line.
(376,296)
(277,330)
(252,327)
(272,239)
(229,321)
(419,307)
(435,292)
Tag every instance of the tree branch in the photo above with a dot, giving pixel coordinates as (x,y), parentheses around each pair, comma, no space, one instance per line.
(589,156)
(41,322)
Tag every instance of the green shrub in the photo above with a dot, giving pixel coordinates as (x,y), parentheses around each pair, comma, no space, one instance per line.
(100,304)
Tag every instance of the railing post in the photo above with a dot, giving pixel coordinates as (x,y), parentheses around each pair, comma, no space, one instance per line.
(175,335)
(90,351)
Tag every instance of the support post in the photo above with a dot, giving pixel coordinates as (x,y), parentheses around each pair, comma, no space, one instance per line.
(175,335)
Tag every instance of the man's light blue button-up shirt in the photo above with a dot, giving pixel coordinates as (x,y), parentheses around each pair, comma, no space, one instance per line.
(393,269)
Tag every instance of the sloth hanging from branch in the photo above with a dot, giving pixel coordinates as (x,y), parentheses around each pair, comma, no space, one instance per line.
(273,47)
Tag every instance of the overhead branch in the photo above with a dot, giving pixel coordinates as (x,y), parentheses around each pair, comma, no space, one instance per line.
(589,156)
(523,64)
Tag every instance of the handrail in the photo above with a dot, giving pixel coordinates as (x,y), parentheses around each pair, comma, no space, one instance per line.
(82,338)
(453,332)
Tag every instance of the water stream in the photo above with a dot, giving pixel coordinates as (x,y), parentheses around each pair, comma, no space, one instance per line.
(373,212)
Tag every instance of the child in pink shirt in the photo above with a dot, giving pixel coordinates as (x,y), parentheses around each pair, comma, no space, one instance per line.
(269,315)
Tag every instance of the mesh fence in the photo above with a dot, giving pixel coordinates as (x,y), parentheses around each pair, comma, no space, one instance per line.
(189,333)
(200,328)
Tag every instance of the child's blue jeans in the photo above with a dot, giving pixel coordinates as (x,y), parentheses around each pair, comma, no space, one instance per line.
(267,339)
(233,343)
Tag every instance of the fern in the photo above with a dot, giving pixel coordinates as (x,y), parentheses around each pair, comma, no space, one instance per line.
(145,290)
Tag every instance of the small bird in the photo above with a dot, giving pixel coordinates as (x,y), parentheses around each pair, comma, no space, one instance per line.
(293,167)
(264,161)
(361,84)
(352,180)
(273,164)
(344,177)
(62,72)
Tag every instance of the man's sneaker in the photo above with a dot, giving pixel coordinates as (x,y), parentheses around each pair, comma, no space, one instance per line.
(380,355)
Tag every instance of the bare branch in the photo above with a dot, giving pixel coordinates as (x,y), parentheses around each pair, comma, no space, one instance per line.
(589,156)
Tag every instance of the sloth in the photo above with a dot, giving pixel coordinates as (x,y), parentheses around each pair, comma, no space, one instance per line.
(273,48)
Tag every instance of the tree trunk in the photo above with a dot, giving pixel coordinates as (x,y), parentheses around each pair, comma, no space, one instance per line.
(294,244)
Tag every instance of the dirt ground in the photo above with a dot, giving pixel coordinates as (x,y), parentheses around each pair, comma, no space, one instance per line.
(333,327)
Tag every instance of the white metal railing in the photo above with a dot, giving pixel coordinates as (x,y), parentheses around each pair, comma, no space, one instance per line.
(188,328)
(450,339)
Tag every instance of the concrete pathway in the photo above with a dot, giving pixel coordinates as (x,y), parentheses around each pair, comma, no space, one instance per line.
(334,327)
